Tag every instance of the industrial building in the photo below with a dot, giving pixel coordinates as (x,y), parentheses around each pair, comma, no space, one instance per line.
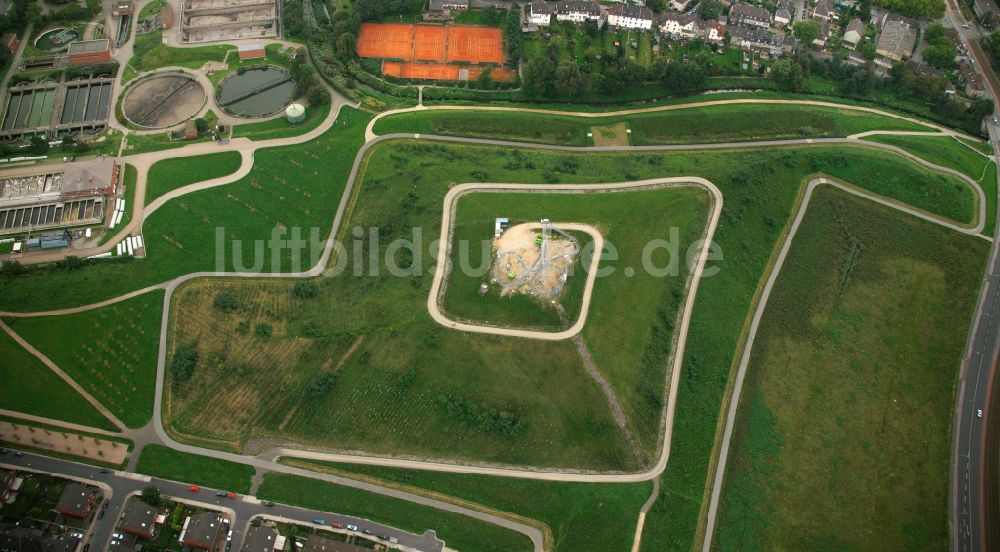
(214,20)
(87,52)
(53,196)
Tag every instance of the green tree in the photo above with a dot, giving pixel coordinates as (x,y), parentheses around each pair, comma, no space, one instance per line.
(710,9)
(184,362)
(226,301)
(485,79)
(539,76)
(305,289)
(150,495)
(788,75)
(569,81)
(806,31)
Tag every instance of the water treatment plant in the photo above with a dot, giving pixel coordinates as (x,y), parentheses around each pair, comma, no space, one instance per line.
(163,100)
(255,92)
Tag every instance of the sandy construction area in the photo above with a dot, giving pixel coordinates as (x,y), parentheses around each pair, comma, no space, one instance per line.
(64,442)
(516,255)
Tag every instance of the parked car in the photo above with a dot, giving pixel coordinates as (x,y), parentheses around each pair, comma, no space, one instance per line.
(104,470)
(268,504)
(100,515)
(979,413)
(383,536)
(18,453)
(194,488)
(352,527)
(86,547)
(319,521)
(229,537)
(220,493)
(231,495)
(104,506)
(367,531)
(229,546)
(393,540)
(337,525)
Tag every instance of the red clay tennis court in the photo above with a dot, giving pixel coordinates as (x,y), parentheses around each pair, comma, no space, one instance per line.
(443,71)
(475,44)
(429,43)
(438,43)
(386,40)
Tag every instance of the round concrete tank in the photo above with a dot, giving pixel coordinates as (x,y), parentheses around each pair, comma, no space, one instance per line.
(295,113)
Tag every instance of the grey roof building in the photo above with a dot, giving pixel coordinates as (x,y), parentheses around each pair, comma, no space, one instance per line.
(260,539)
(139,519)
(897,39)
(202,530)
(75,501)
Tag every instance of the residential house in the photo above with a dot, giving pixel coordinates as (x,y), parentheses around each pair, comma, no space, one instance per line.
(578,11)
(984,9)
(441,9)
(9,485)
(319,544)
(202,530)
(750,37)
(747,15)
(16,539)
(262,539)
(681,5)
(540,13)
(715,32)
(76,500)
(854,34)
(630,16)
(824,34)
(678,26)
(825,11)
(968,76)
(897,39)
(139,519)
(784,14)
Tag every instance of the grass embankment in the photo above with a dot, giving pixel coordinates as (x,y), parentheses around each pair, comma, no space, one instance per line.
(459,532)
(30,387)
(949,152)
(707,124)
(110,352)
(82,436)
(194,469)
(851,385)
(760,187)
(294,186)
(149,52)
(171,174)
(581,516)
(131,175)
(275,54)
(375,311)
(281,128)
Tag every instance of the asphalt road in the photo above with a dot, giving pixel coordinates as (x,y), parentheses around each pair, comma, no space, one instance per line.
(970,528)
(968,447)
(243,507)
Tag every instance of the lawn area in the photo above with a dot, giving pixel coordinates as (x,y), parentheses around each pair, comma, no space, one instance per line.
(394,397)
(717,123)
(459,532)
(119,368)
(582,516)
(280,127)
(30,387)
(171,174)
(292,186)
(129,181)
(160,461)
(146,143)
(151,53)
(633,361)
(850,389)
(949,152)
(151,9)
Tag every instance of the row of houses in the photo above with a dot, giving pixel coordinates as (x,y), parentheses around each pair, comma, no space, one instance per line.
(626,16)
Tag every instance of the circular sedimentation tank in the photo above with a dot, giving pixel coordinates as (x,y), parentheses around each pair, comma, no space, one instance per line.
(295,113)
(255,92)
(56,40)
(163,101)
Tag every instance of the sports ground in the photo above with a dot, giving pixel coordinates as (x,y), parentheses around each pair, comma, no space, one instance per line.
(442,48)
